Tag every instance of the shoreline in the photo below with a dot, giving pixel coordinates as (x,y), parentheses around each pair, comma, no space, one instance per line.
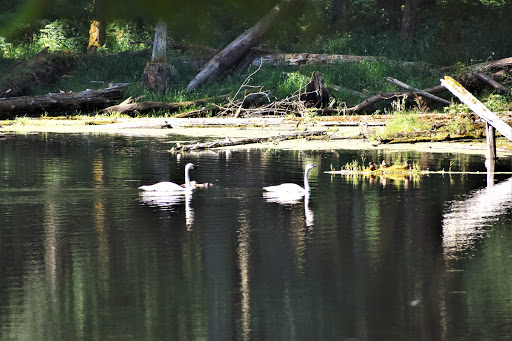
(341,134)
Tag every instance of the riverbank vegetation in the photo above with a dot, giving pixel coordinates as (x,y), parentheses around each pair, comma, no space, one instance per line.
(442,41)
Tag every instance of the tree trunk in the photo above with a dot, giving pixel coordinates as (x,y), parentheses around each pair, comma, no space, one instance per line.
(409,18)
(59,102)
(225,59)
(160,43)
(316,95)
(340,14)
(157,72)
(97,32)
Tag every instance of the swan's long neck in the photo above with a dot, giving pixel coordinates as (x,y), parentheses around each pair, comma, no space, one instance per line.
(306,182)
(187,178)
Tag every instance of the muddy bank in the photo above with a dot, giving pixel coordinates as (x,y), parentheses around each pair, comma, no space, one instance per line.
(340,134)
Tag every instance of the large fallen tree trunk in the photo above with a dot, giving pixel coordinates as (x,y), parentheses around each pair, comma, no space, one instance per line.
(128,108)
(249,140)
(226,58)
(59,102)
(300,59)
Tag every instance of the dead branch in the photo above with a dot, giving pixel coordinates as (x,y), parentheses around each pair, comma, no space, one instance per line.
(229,143)
(491,82)
(421,92)
(387,96)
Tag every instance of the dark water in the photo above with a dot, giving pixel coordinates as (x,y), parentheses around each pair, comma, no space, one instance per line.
(82,256)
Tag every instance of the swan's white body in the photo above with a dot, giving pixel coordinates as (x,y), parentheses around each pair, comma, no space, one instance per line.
(171,187)
(292,188)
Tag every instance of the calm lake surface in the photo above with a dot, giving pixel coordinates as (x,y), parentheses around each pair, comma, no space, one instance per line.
(84,256)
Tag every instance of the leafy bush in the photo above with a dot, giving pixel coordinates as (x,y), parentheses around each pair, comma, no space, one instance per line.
(60,35)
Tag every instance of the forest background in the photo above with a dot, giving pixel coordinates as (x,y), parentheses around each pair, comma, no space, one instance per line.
(430,33)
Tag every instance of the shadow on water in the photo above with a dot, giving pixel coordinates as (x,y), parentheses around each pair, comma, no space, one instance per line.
(84,254)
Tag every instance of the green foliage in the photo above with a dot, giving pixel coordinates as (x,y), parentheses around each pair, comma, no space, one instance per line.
(60,35)
(461,125)
(290,84)
(498,102)
(404,122)
(121,34)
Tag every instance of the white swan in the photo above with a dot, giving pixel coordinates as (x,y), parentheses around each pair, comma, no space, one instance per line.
(166,186)
(291,188)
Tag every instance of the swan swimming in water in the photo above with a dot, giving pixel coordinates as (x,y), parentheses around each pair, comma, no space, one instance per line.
(292,188)
(166,186)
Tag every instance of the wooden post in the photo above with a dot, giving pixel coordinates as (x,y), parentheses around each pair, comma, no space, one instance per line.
(490,136)
(157,71)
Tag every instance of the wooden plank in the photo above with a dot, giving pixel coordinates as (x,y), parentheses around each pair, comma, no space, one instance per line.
(474,104)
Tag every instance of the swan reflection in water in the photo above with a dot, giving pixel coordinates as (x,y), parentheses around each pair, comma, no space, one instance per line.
(166,201)
(290,200)
(465,220)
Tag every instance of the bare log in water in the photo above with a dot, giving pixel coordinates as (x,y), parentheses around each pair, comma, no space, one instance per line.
(229,143)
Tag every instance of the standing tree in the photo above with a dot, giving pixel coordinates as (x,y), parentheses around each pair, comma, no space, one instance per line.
(340,14)
(409,18)
(157,71)
(97,32)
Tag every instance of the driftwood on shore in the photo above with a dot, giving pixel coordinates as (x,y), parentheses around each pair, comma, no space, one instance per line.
(229,143)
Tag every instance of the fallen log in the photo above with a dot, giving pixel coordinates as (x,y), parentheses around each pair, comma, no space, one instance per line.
(491,82)
(387,96)
(301,59)
(149,106)
(225,59)
(87,100)
(229,143)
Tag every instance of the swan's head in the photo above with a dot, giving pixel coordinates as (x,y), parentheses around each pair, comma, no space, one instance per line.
(189,166)
(310,166)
